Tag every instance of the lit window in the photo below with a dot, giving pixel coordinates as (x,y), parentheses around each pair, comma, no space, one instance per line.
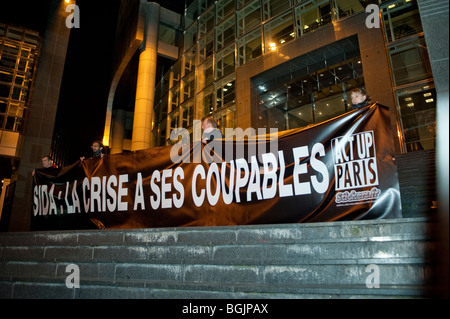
(278,29)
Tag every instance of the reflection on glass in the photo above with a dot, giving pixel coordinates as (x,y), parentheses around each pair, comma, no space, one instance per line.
(205,74)
(188,64)
(206,23)
(226,118)
(19,50)
(272,8)
(225,91)
(191,13)
(205,47)
(278,31)
(312,14)
(305,96)
(401,19)
(174,98)
(345,8)
(225,62)
(173,121)
(225,33)
(326,109)
(224,8)
(206,98)
(187,114)
(409,61)
(249,17)
(418,116)
(187,87)
(249,47)
(190,37)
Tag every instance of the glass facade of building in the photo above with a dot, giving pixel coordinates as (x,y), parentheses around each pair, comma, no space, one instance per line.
(222,36)
(309,89)
(411,75)
(19,51)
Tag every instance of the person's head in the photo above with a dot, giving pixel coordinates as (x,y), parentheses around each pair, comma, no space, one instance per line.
(97,148)
(46,161)
(209,122)
(358,95)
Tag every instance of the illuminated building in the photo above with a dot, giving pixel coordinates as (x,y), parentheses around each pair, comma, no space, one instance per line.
(32,61)
(283,64)
(19,52)
(274,64)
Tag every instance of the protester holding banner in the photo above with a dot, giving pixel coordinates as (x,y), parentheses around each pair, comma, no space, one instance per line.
(341,169)
(47,164)
(98,150)
(210,130)
(359,97)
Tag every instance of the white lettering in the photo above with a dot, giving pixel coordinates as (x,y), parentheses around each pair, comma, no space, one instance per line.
(300,188)
(122,191)
(198,199)
(155,200)
(139,196)
(73,19)
(373,19)
(73,279)
(178,201)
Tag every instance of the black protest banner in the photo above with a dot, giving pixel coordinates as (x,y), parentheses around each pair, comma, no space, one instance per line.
(341,169)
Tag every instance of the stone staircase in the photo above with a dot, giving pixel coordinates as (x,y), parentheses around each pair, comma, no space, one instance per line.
(317,260)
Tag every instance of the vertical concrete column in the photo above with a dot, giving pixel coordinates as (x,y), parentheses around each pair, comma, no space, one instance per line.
(118,131)
(42,112)
(145,88)
(434,16)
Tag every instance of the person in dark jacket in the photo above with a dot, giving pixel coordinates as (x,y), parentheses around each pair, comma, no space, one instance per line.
(359,97)
(47,166)
(98,150)
(210,130)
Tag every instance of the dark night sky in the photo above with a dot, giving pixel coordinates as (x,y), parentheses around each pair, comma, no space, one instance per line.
(87,73)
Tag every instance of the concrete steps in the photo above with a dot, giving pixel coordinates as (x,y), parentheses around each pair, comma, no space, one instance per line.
(317,260)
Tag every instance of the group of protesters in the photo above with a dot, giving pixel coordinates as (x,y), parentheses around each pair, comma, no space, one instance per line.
(359,98)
